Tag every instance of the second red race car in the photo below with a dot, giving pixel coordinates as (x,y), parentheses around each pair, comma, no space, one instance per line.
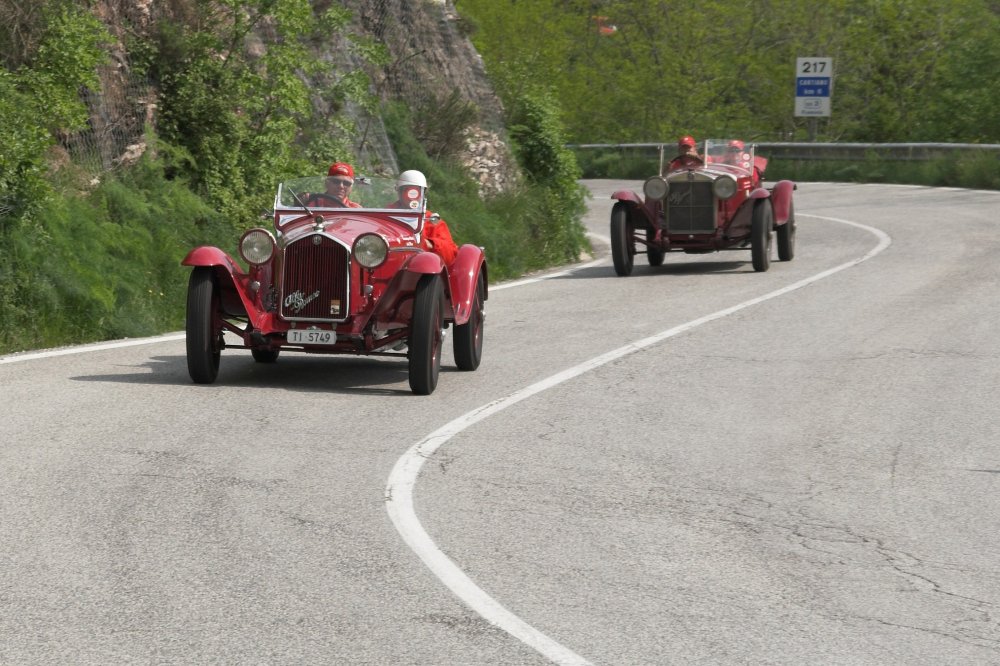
(705,202)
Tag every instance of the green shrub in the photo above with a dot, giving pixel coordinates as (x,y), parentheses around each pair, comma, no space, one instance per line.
(977,170)
(105,264)
(527,229)
(557,198)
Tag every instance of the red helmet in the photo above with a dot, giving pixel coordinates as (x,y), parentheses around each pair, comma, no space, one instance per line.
(736,144)
(341,169)
(686,141)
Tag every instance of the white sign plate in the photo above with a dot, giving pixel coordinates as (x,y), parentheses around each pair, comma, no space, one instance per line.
(813,86)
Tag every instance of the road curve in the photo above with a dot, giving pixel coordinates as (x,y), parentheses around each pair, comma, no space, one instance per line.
(694,463)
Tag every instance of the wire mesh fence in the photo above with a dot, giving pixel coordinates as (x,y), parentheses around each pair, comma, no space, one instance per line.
(119,113)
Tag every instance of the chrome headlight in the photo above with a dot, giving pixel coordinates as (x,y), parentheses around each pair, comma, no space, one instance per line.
(655,188)
(257,246)
(370,250)
(724,187)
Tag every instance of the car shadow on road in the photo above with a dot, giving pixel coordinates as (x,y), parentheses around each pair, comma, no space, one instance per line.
(696,267)
(686,268)
(291,372)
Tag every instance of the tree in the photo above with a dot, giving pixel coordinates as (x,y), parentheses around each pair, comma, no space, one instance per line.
(901,67)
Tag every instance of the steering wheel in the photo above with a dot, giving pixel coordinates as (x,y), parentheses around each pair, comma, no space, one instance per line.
(314,199)
(685,161)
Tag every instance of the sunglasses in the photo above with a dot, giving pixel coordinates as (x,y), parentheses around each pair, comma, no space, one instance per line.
(340,181)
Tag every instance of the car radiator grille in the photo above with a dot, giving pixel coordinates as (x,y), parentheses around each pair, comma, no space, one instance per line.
(314,280)
(690,208)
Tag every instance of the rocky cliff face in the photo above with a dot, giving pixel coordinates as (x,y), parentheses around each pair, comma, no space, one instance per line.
(432,62)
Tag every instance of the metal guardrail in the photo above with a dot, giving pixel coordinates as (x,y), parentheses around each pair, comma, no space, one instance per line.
(833,151)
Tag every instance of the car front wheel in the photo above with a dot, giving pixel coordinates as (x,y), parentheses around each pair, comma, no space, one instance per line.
(468,343)
(622,242)
(426,335)
(203,327)
(760,235)
(786,236)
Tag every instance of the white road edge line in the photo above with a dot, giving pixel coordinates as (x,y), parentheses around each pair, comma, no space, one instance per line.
(549,276)
(399,489)
(117,344)
(403,477)
(170,337)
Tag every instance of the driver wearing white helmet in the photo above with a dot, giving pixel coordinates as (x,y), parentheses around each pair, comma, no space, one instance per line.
(436,236)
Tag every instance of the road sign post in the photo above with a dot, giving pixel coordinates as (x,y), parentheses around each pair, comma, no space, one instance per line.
(813,87)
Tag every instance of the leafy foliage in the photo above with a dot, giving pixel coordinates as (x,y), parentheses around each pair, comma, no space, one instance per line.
(530,228)
(40,98)
(238,110)
(558,202)
(61,282)
(37,99)
(718,67)
(440,124)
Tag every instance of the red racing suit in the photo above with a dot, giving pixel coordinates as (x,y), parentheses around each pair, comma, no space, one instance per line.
(437,238)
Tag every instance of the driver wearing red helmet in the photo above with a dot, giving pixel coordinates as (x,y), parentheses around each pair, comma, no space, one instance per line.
(687,153)
(339,182)
(734,152)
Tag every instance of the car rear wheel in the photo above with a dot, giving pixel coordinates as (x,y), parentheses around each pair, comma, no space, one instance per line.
(653,254)
(425,335)
(203,327)
(760,235)
(468,343)
(622,241)
(786,236)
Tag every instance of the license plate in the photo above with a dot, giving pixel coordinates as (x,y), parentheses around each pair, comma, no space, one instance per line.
(311,337)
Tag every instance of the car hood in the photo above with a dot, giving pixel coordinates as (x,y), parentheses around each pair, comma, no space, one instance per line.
(397,228)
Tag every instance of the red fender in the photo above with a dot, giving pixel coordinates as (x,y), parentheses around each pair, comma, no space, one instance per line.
(404,282)
(629,196)
(463,276)
(206,255)
(781,200)
(231,278)
(424,263)
(648,210)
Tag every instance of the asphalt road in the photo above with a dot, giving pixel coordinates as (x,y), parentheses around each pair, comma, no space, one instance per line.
(694,464)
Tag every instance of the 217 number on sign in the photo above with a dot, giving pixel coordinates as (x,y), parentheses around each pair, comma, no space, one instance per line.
(814,67)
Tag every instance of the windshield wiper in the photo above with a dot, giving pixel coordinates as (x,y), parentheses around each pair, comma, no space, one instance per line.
(300,201)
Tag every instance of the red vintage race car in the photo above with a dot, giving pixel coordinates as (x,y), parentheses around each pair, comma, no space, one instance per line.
(334,279)
(712,201)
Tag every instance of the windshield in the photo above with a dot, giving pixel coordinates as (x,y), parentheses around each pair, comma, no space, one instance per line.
(729,151)
(313,193)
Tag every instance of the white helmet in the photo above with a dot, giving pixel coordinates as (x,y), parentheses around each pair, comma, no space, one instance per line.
(411,178)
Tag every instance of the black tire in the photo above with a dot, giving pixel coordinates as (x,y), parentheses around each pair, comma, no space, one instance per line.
(425,335)
(468,343)
(203,327)
(622,242)
(653,254)
(265,355)
(760,235)
(786,236)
